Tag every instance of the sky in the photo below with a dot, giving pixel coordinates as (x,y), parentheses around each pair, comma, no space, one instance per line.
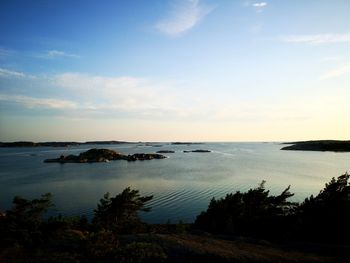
(180,70)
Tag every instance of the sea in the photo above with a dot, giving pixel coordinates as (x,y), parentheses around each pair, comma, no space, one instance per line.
(182,185)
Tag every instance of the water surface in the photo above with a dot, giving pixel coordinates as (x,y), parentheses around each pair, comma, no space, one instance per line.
(182,184)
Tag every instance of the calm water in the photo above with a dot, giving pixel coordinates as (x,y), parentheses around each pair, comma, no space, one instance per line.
(182,184)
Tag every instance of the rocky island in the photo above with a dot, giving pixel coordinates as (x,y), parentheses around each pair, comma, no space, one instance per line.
(103,155)
(321,145)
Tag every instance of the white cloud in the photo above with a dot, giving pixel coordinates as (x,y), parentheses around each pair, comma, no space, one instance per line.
(10,73)
(185,15)
(32,102)
(259,6)
(317,39)
(334,73)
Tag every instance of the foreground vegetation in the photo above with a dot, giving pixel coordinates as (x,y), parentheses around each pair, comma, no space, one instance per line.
(253,226)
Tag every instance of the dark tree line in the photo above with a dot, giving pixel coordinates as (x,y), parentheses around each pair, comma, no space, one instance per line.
(254,213)
(26,235)
(321,218)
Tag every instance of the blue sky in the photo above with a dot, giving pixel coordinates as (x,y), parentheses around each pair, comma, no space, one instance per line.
(200,70)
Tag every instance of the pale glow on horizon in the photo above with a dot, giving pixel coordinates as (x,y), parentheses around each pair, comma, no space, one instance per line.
(141,130)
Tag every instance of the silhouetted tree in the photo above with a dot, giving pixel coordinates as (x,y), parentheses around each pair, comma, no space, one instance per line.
(121,210)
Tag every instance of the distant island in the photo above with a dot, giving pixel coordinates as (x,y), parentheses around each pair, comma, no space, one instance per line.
(185,143)
(197,151)
(103,155)
(320,145)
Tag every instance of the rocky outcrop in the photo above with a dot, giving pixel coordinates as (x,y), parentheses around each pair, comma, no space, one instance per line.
(166,151)
(103,155)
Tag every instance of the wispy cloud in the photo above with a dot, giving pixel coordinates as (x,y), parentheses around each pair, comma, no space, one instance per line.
(317,39)
(334,73)
(32,102)
(88,96)
(185,14)
(4,52)
(58,53)
(127,94)
(11,73)
(259,6)
(55,54)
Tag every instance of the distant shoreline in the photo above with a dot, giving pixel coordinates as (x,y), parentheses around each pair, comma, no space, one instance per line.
(68,144)
(320,145)
(311,145)
(57,144)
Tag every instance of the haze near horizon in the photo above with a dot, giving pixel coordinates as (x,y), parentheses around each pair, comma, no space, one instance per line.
(182,70)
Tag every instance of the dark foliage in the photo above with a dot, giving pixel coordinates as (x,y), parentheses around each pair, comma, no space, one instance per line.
(121,212)
(22,225)
(254,213)
(323,218)
(326,216)
(28,236)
